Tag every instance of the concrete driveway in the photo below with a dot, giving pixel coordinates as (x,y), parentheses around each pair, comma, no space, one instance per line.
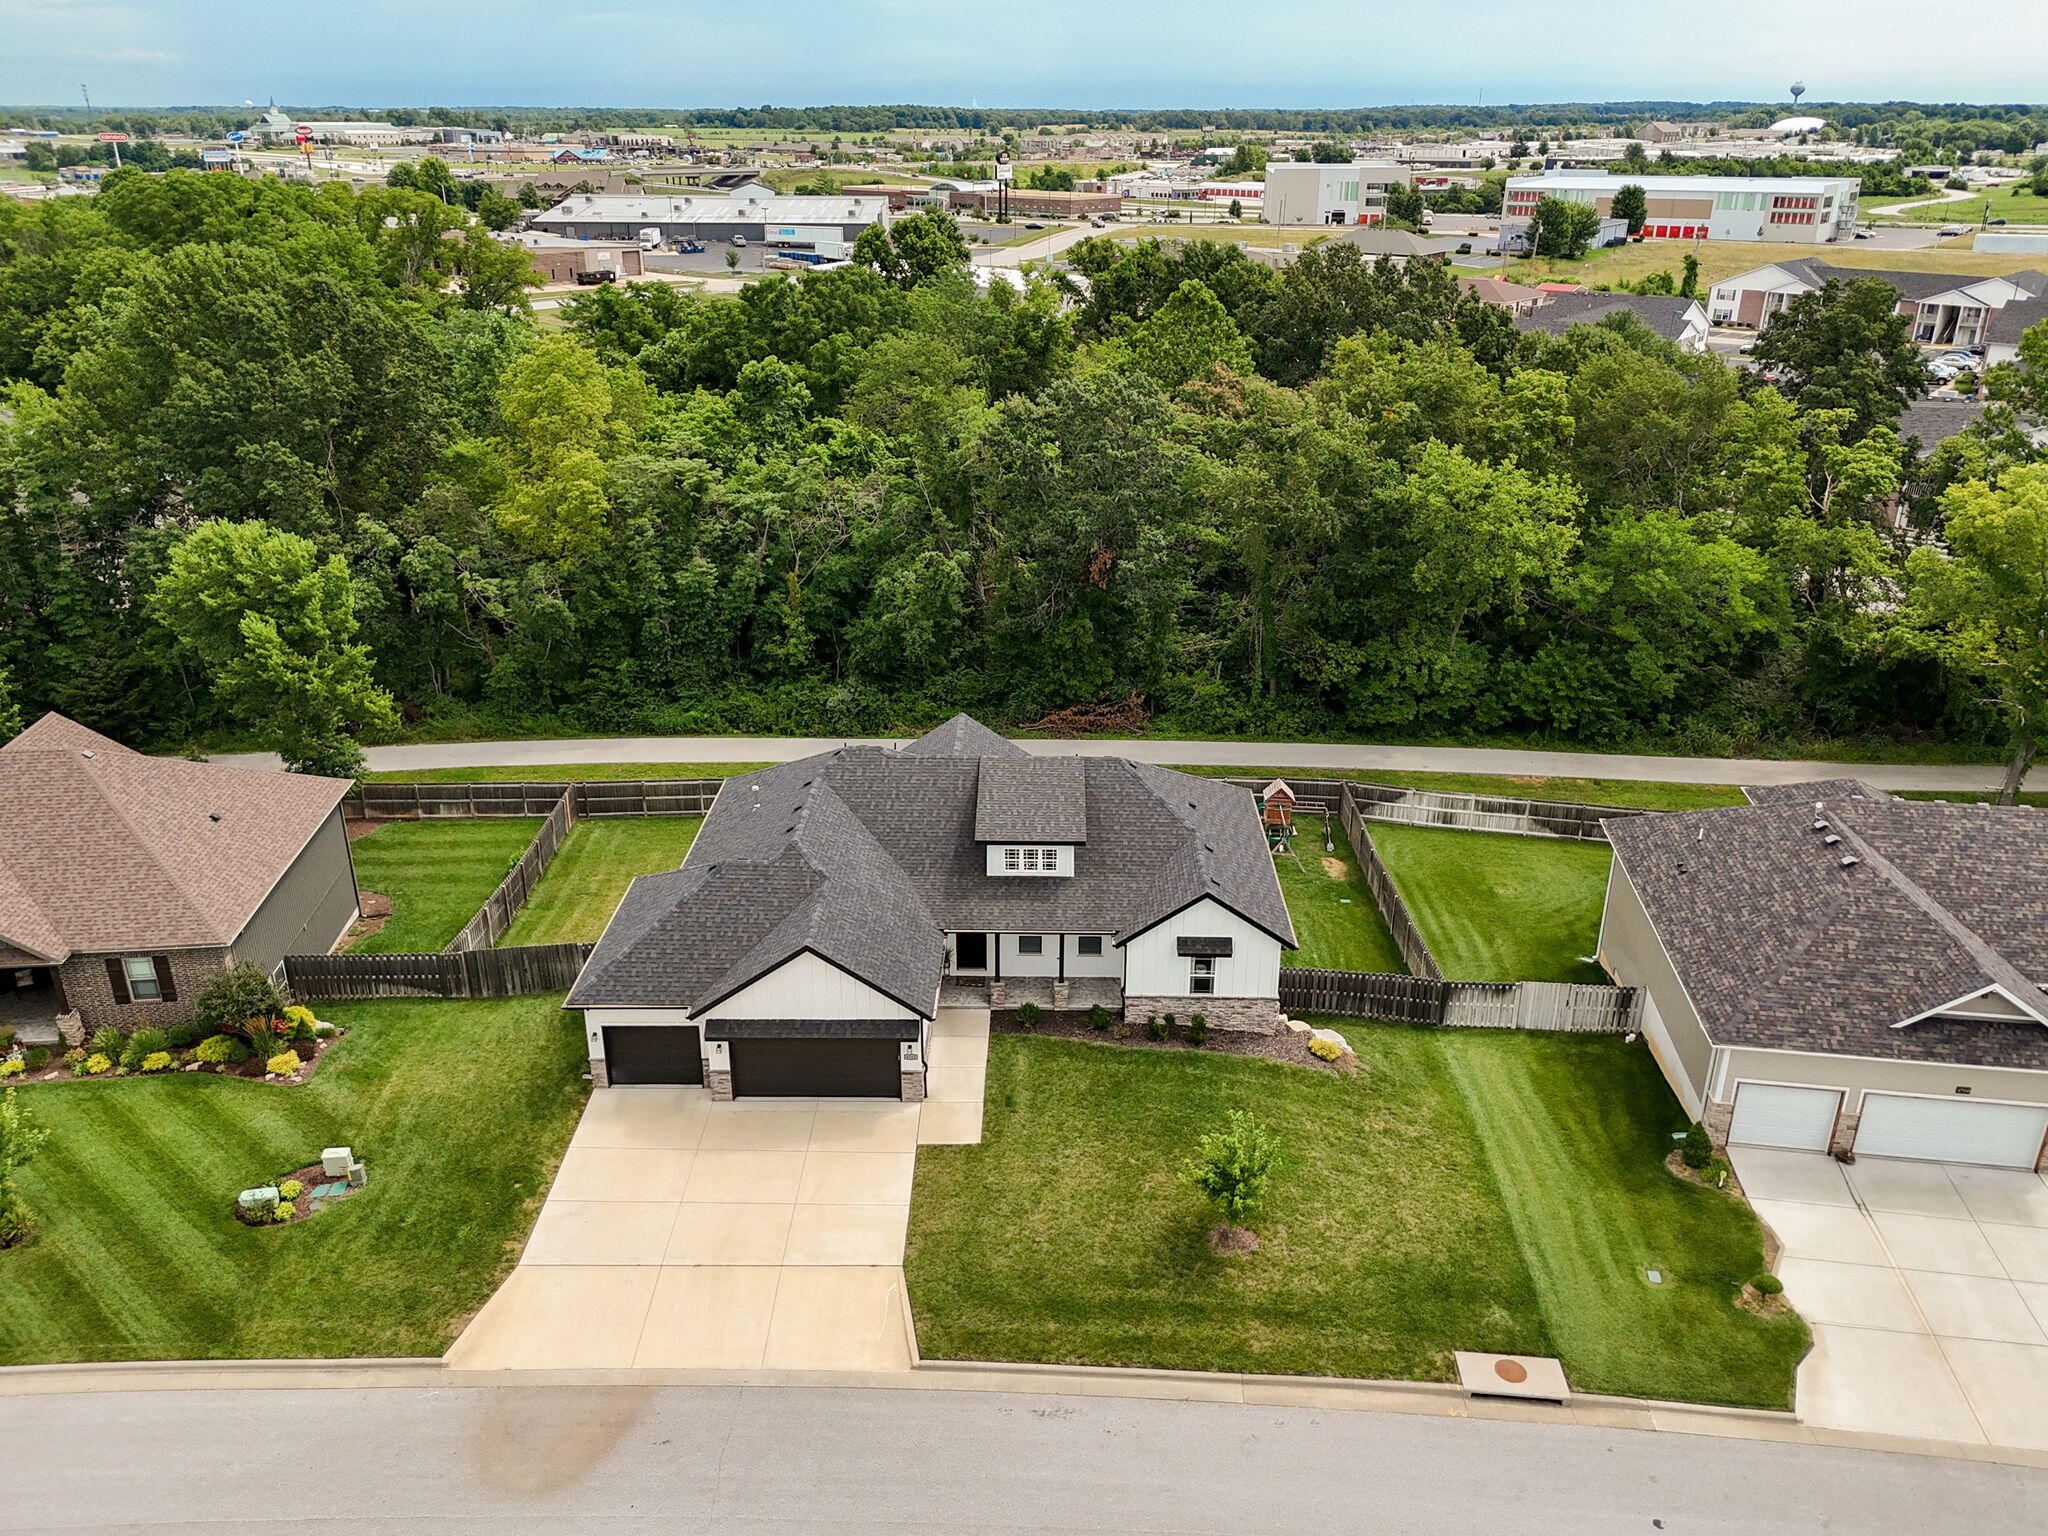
(1927,1288)
(681,1233)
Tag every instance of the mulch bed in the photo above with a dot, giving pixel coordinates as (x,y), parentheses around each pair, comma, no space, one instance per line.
(1755,1301)
(1233,1240)
(311,1054)
(1286,1046)
(305,1208)
(1675,1162)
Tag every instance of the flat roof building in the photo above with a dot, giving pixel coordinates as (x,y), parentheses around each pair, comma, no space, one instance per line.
(803,223)
(1807,210)
(1307,192)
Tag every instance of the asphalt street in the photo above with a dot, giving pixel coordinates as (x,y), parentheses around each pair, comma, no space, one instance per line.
(787,1460)
(1224,754)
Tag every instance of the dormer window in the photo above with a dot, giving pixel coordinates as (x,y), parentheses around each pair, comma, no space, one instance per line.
(1030,859)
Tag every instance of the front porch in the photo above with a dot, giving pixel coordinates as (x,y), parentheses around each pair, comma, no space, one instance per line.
(31,1011)
(1076,994)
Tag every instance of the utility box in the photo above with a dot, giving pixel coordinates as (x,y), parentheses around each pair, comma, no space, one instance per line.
(334,1162)
(263,1198)
(358,1175)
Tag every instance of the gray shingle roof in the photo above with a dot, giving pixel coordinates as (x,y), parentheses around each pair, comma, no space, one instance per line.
(1664,313)
(1031,799)
(866,856)
(1908,285)
(1780,945)
(1930,423)
(1810,790)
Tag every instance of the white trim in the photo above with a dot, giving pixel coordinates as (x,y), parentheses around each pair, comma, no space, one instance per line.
(1890,1061)
(1949,1098)
(2033,1013)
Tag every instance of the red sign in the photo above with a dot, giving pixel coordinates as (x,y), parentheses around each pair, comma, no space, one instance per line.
(112,138)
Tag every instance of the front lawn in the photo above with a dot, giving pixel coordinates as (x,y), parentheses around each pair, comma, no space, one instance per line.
(460,1110)
(1408,1225)
(582,887)
(1335,917)
(1497,907)
(437,873)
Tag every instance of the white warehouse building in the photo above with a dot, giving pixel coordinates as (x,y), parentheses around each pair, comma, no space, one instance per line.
(828,225)
(1306,192)
(1805,210)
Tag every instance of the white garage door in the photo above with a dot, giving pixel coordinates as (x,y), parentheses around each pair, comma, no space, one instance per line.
(1768,1115)
(1951,1130)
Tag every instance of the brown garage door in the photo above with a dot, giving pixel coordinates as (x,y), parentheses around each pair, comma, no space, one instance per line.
(815,1069)
(652,1053)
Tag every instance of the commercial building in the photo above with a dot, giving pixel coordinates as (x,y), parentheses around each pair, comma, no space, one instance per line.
(1808,210)
(559,259)
(822,224)
(1304,192)
(1946,310)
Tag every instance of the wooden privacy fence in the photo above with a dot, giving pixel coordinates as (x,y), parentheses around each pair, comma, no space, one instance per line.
(1542,1005)
(1447,808)
(503,904)
(512,972)
(621,797)
(1380,881)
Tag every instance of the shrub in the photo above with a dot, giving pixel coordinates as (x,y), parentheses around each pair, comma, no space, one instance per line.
(1233,1166)
(38,1058)
(235,996)
(1696,1149)
(324,1031)
(180,1037)
(156,1061)
(283,1064)
(290,1189)
(1768,1285)
(12,1066)
(221,1050)
(1028,1015)
(1099,1017)
(96,1064)
(144,1042)
(1198,1029)
(285,1210)
(74,1056)
(1324,1050)
(6,1038)
(109,1042)
(299,1013)
(1160,1028)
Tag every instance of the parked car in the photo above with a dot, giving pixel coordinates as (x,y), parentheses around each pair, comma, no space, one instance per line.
(1034,226)
(602,275)
(1864,234)
(1994,221)
(739,240)
(1951,230)
(1960,359)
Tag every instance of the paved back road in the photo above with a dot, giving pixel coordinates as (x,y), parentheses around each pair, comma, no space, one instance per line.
(685,1460)
(1255,754)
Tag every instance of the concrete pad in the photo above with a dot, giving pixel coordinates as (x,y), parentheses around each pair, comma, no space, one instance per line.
(847,1234)
(957,1125)
(2007,1385)
(567,1317)
(838,1318)
(587,1232)
(955,1085)
(642,1117)
(622,1173)
(760,1178)
(706,1317)
(2003,1195)
(1883,1383)
(957,1051)
(2022,1251)
(1913,1189)
(866,1130)
(734,1232)
(1932,1242)
(1839,1233)
(1973,1307)
(1770,1174)
(857,1178)
(967,1022)
(763,1106)
(784,1130)
(1850,1295)
(2035,1294)
(1531,1376)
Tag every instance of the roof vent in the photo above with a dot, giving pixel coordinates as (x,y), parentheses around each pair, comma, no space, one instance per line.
(1831,839)
(1820,824)
(213,815)
(1848,859)
(87,752)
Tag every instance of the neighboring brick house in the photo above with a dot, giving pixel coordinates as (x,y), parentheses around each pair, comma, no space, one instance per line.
(829,904)
(127,881)
(1833,969)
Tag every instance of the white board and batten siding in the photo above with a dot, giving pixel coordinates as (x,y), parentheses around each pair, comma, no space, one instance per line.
(805,987)
(1781,1115)
(1154,968)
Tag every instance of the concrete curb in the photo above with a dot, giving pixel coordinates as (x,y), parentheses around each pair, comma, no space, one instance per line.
(1339,1394)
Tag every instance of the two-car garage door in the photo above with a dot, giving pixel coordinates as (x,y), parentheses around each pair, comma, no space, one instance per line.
(1956,1130)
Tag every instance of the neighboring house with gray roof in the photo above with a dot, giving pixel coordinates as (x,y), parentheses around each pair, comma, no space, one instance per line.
(127,881)
(1832,969)
(802,946)
(1676,319)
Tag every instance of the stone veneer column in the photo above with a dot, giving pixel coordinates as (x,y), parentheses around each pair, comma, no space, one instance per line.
(1060,992)
(998,994)
(1845,1130)
(1717,1119)
(719,1081)
(913,1087)
(600,1074)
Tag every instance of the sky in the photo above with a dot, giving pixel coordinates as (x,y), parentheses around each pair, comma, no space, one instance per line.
(1079,53)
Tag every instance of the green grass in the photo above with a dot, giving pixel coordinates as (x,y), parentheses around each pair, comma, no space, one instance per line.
(1725,258)
(437,873)
(1630,792)
(1340,936)
(459,1109)
(1497,907)
(2022,207)
(562,773)
(582,887)
(1401,1229)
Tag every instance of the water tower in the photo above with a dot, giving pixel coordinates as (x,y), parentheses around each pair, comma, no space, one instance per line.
(1798,90)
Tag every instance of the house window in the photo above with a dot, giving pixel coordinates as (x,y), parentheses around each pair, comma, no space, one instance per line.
(1030,943)
(1088,944)
(140,972)
(1202,974)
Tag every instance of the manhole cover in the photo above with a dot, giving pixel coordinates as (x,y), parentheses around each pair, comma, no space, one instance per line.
(1511,1370)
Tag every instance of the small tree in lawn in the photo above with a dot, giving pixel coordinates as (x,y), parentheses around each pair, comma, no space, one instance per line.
(20,1138)
(1631,205)
(732,261)
(1232,1170)
(241,1001)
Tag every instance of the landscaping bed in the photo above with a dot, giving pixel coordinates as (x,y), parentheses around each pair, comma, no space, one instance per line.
(1470,1189)
(1074,1024)
(306,1041)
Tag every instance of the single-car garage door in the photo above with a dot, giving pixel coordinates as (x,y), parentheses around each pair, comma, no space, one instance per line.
(1772,1115)
(816,1069)
(639,1054)
(1951,1130)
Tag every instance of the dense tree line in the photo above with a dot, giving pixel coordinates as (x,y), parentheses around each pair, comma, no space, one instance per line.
(293,462)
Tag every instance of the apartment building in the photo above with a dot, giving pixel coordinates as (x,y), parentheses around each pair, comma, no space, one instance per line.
(1806,210)
(1946,310)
